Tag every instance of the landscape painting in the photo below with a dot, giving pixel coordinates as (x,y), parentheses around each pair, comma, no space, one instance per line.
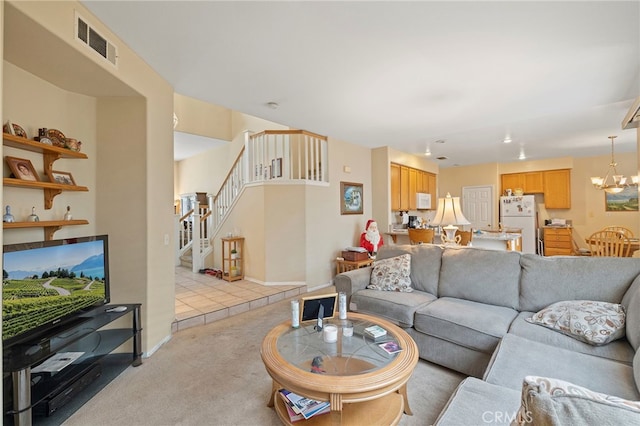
(625,201)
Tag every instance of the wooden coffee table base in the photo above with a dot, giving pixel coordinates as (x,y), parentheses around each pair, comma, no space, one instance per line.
(386,410)
(359,392)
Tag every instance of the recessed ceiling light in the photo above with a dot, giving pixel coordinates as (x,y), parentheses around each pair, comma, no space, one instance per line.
(441,158)
(507,139)
(273,105)
(440,141)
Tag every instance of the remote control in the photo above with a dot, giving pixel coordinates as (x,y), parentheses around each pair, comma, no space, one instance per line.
(117,309)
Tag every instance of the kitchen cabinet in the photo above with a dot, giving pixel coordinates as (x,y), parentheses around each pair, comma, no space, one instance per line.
(557,189)
(406,182)
(558,241)
(395,187)
(530,182)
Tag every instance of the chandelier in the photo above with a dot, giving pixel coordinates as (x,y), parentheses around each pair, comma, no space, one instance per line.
(619,181)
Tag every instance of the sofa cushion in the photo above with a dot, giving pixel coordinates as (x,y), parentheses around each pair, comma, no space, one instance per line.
(516,358)
(619,350)
(425,264)
(593,322)
(475,402)
(546,280)
(631,303)
(485,276)
(392,274)
(548,401)
(470,324)
(396,306)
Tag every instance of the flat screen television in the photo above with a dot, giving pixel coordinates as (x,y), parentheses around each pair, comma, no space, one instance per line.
(49,283)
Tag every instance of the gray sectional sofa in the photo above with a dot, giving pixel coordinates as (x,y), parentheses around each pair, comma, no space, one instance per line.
(468,311)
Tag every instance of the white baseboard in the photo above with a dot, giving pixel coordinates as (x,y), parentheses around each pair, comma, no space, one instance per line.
(156,347)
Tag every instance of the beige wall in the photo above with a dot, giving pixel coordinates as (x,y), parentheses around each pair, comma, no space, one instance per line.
(130,133)
(201,118)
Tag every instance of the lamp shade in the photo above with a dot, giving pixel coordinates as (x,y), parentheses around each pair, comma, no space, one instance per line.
(449,212)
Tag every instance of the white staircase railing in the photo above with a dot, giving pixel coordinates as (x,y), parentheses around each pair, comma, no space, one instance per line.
(268,156)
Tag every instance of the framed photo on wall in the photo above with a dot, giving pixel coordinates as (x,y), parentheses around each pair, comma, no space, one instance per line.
(351,198)
(625,201)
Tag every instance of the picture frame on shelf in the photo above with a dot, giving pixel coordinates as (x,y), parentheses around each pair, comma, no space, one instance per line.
(22,168)
(276,167)
(625,201)
(351,198)
(64,178)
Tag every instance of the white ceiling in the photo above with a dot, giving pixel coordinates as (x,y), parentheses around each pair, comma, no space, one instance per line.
(557,77)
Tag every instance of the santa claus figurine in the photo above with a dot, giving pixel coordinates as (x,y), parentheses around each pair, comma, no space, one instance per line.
(371,239)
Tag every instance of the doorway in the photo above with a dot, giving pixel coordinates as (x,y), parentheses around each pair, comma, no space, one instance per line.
(477,206)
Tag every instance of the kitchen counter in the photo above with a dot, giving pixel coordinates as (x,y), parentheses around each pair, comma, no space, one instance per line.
(497,241)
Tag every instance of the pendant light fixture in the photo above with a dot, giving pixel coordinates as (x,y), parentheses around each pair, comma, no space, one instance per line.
(619,182)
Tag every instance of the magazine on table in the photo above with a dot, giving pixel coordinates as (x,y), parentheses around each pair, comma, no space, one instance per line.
(304,406)
(390,347)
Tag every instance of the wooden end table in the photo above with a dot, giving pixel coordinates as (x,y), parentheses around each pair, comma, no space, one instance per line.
(363,383)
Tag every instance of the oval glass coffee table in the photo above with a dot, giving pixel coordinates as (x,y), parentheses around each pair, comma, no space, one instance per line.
(362,382)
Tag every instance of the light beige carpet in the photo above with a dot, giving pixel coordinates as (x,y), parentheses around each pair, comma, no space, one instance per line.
(213,375)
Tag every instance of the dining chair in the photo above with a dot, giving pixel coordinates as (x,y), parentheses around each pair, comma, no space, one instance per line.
(419,236)
(626,231)
(609,243)
(465,237)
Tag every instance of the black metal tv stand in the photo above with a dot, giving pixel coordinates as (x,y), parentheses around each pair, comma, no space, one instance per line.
(26,393)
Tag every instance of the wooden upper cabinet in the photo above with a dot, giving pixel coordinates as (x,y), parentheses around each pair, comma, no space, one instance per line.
(395,187)
(511,181)
(533,183)
(413,188)
(404,188)
(557,189)
(406,182)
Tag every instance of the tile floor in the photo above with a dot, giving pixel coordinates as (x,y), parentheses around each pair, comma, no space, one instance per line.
(202,298)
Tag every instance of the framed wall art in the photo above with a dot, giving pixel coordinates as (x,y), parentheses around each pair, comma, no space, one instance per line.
(64,178)
(625,201)
(22,168)
(351,198)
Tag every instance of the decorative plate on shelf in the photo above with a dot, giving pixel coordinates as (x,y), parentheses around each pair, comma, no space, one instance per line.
(57,137)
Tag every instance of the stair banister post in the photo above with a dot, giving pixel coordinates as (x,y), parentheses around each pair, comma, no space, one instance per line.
(196,246)
(247,156)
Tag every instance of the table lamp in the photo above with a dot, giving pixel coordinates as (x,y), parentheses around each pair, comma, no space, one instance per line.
(449,213)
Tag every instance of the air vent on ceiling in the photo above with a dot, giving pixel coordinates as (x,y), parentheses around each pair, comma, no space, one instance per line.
(441,158)
(88,36)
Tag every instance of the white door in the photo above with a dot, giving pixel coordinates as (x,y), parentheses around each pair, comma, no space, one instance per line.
(477,206)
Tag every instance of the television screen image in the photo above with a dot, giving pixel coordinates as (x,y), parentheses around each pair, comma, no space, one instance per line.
(46,283)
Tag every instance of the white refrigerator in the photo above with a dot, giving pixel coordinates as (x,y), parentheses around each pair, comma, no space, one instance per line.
(520,212)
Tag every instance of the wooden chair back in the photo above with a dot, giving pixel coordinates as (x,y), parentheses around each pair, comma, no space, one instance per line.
(465,237)
(419,236)
(626,231)
(609,243)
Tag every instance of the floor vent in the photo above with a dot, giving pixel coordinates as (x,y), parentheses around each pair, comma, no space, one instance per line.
(91,38)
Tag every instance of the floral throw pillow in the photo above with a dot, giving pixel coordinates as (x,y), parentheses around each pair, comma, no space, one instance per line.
(596,323)
(548,401)
(392,274)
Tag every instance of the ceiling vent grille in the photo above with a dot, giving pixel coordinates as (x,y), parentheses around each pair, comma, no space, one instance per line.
(91,38)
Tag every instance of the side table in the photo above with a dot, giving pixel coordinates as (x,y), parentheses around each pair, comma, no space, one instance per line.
(349,265)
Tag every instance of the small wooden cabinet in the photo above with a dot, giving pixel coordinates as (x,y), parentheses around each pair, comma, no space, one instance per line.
(558,241)
(233,258)
(406,182)
(49,155)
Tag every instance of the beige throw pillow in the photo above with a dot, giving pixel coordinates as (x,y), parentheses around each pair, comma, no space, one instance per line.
(596,323)
(547,401)
(392,274)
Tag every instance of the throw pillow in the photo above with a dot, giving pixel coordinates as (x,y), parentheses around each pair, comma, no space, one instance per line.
(547,401)
(596,323)
(392,274)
